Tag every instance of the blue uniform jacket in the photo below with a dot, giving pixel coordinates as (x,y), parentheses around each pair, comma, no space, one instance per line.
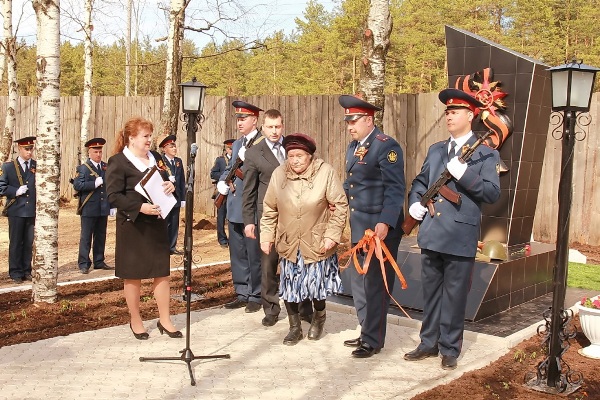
(375,185)
(84,183)
(24,206)
(218,168)
(178,173)
(454,229)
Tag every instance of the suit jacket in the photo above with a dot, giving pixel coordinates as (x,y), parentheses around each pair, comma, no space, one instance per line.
(258,168)
(178,173)
(24,206)
(454,229)
(375,185)
(85,183)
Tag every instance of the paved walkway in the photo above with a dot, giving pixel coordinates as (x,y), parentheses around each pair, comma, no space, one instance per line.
(104,364)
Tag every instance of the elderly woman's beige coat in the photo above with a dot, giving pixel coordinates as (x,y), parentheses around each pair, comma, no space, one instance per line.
(296,211)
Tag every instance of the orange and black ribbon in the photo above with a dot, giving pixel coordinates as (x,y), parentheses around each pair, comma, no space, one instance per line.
(371,244)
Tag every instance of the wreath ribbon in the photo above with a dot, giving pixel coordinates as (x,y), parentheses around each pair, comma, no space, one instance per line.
(371,244)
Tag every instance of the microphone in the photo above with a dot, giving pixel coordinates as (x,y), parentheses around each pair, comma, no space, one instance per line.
(194,150)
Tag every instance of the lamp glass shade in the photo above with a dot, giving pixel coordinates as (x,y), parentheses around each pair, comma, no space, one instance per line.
(582,84)
(560,84)
(191,98)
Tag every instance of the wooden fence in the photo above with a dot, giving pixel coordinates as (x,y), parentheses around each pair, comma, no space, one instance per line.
(416,121)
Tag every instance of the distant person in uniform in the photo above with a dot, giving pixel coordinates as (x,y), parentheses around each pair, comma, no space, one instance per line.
(216,171)
(375,188)
(261,160)
(299,224)
(244,252)
(93,207)
(174,166)
(17,183)
(448,238)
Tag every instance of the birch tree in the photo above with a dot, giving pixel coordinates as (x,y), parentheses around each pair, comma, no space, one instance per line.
(170,109)
(9,57)
(87,80)
(375,45)
(45,253)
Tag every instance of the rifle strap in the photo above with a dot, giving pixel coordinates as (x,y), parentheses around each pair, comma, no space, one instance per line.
(87,198)
(20,178)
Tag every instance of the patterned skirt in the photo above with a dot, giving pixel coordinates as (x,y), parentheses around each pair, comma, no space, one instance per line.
(314,281)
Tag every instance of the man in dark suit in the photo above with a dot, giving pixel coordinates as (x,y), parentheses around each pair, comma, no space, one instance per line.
(448,236)
(217,170)
(244,252)
(94,207)
(375,188)
(17,183)
(177,176)
(261,160)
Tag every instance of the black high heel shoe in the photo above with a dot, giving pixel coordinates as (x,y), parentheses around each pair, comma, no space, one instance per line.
(162,329)
(139,336)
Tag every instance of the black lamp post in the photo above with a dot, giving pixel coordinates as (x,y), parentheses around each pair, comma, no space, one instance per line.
(572,86)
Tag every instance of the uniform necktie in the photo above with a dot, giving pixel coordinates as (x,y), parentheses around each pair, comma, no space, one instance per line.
(244,141)
(452,151)
(278,153)
(26,165)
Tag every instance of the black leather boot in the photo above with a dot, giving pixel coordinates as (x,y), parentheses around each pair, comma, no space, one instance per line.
(316,326)
(295,333)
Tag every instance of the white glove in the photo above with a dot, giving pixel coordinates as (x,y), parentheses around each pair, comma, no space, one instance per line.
(183,204)
(242,153)
(417,211)
(99,181)
(112,212)
(172,179)
(456,168)
(22,190)
(223,188)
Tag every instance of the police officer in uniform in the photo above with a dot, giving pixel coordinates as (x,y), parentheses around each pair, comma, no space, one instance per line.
(17,183)
(216,171)
(448,237)
(375,188)
(94,207)
(177,176)
(244,252)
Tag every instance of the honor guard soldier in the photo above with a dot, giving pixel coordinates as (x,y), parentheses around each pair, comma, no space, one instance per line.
(244,252)
(375,188)
(177,176)
(93,208)
(448,236)
(17,183)
(216,171)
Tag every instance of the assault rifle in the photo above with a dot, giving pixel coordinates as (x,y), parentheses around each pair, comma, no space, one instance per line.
(235,171)
(440,187)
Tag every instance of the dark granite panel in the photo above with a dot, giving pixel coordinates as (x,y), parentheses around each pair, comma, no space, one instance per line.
(482,275)
(514,234)
(540,148)
(456,63)
(472,41)
(502,62)
(473,303)
(501,207)
(493,307)
(524,66)
(517,297)
(527,228)
(528,148)
(494,228)
(454,38)
(504,273)
(528,293)
(530,203)
(533,118)
(519,117)
(505,182)
(541,289)
(521,93)
(537,90)
(518,274)
(520,197)
(492,288)
(477,58)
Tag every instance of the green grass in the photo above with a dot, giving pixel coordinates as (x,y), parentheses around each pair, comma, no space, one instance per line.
(585,276)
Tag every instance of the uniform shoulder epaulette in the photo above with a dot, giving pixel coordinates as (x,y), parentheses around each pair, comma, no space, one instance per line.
(382,137)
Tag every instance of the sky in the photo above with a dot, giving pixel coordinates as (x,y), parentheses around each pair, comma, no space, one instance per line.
(249,19)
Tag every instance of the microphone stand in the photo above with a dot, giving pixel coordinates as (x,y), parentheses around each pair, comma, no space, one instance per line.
(187,355)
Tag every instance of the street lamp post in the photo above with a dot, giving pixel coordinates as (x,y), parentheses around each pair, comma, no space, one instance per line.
(572,87)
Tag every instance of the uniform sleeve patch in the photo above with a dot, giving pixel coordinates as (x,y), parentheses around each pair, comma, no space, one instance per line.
(392,157)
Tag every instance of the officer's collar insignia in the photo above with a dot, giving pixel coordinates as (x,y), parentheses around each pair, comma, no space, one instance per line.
(361,152)
(392,157)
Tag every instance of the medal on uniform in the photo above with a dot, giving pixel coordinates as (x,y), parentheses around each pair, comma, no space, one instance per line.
(361,152)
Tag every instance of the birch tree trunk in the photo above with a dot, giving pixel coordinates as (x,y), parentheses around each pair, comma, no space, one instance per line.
(10,60)
(170,111)
(375,45)
(128,51)
(87,80)
(45,244)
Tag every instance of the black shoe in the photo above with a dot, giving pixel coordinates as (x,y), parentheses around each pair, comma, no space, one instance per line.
(237,303)
(269,320)
(295,333)
(353,342)
(176,252)
(27,277)
(85,270)
(17,280)
(224,245)
(449,362)
(418,354)
(162,329)
(139,336)
(103,266)
(365,351)
(307,318)
(252,306)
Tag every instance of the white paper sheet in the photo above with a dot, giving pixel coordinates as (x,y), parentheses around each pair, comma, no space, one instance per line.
(153,190)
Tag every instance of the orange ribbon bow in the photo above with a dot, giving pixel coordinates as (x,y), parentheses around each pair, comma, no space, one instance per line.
(370,244)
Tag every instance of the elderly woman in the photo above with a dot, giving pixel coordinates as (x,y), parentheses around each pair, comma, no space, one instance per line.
(142,243)
(305,210)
